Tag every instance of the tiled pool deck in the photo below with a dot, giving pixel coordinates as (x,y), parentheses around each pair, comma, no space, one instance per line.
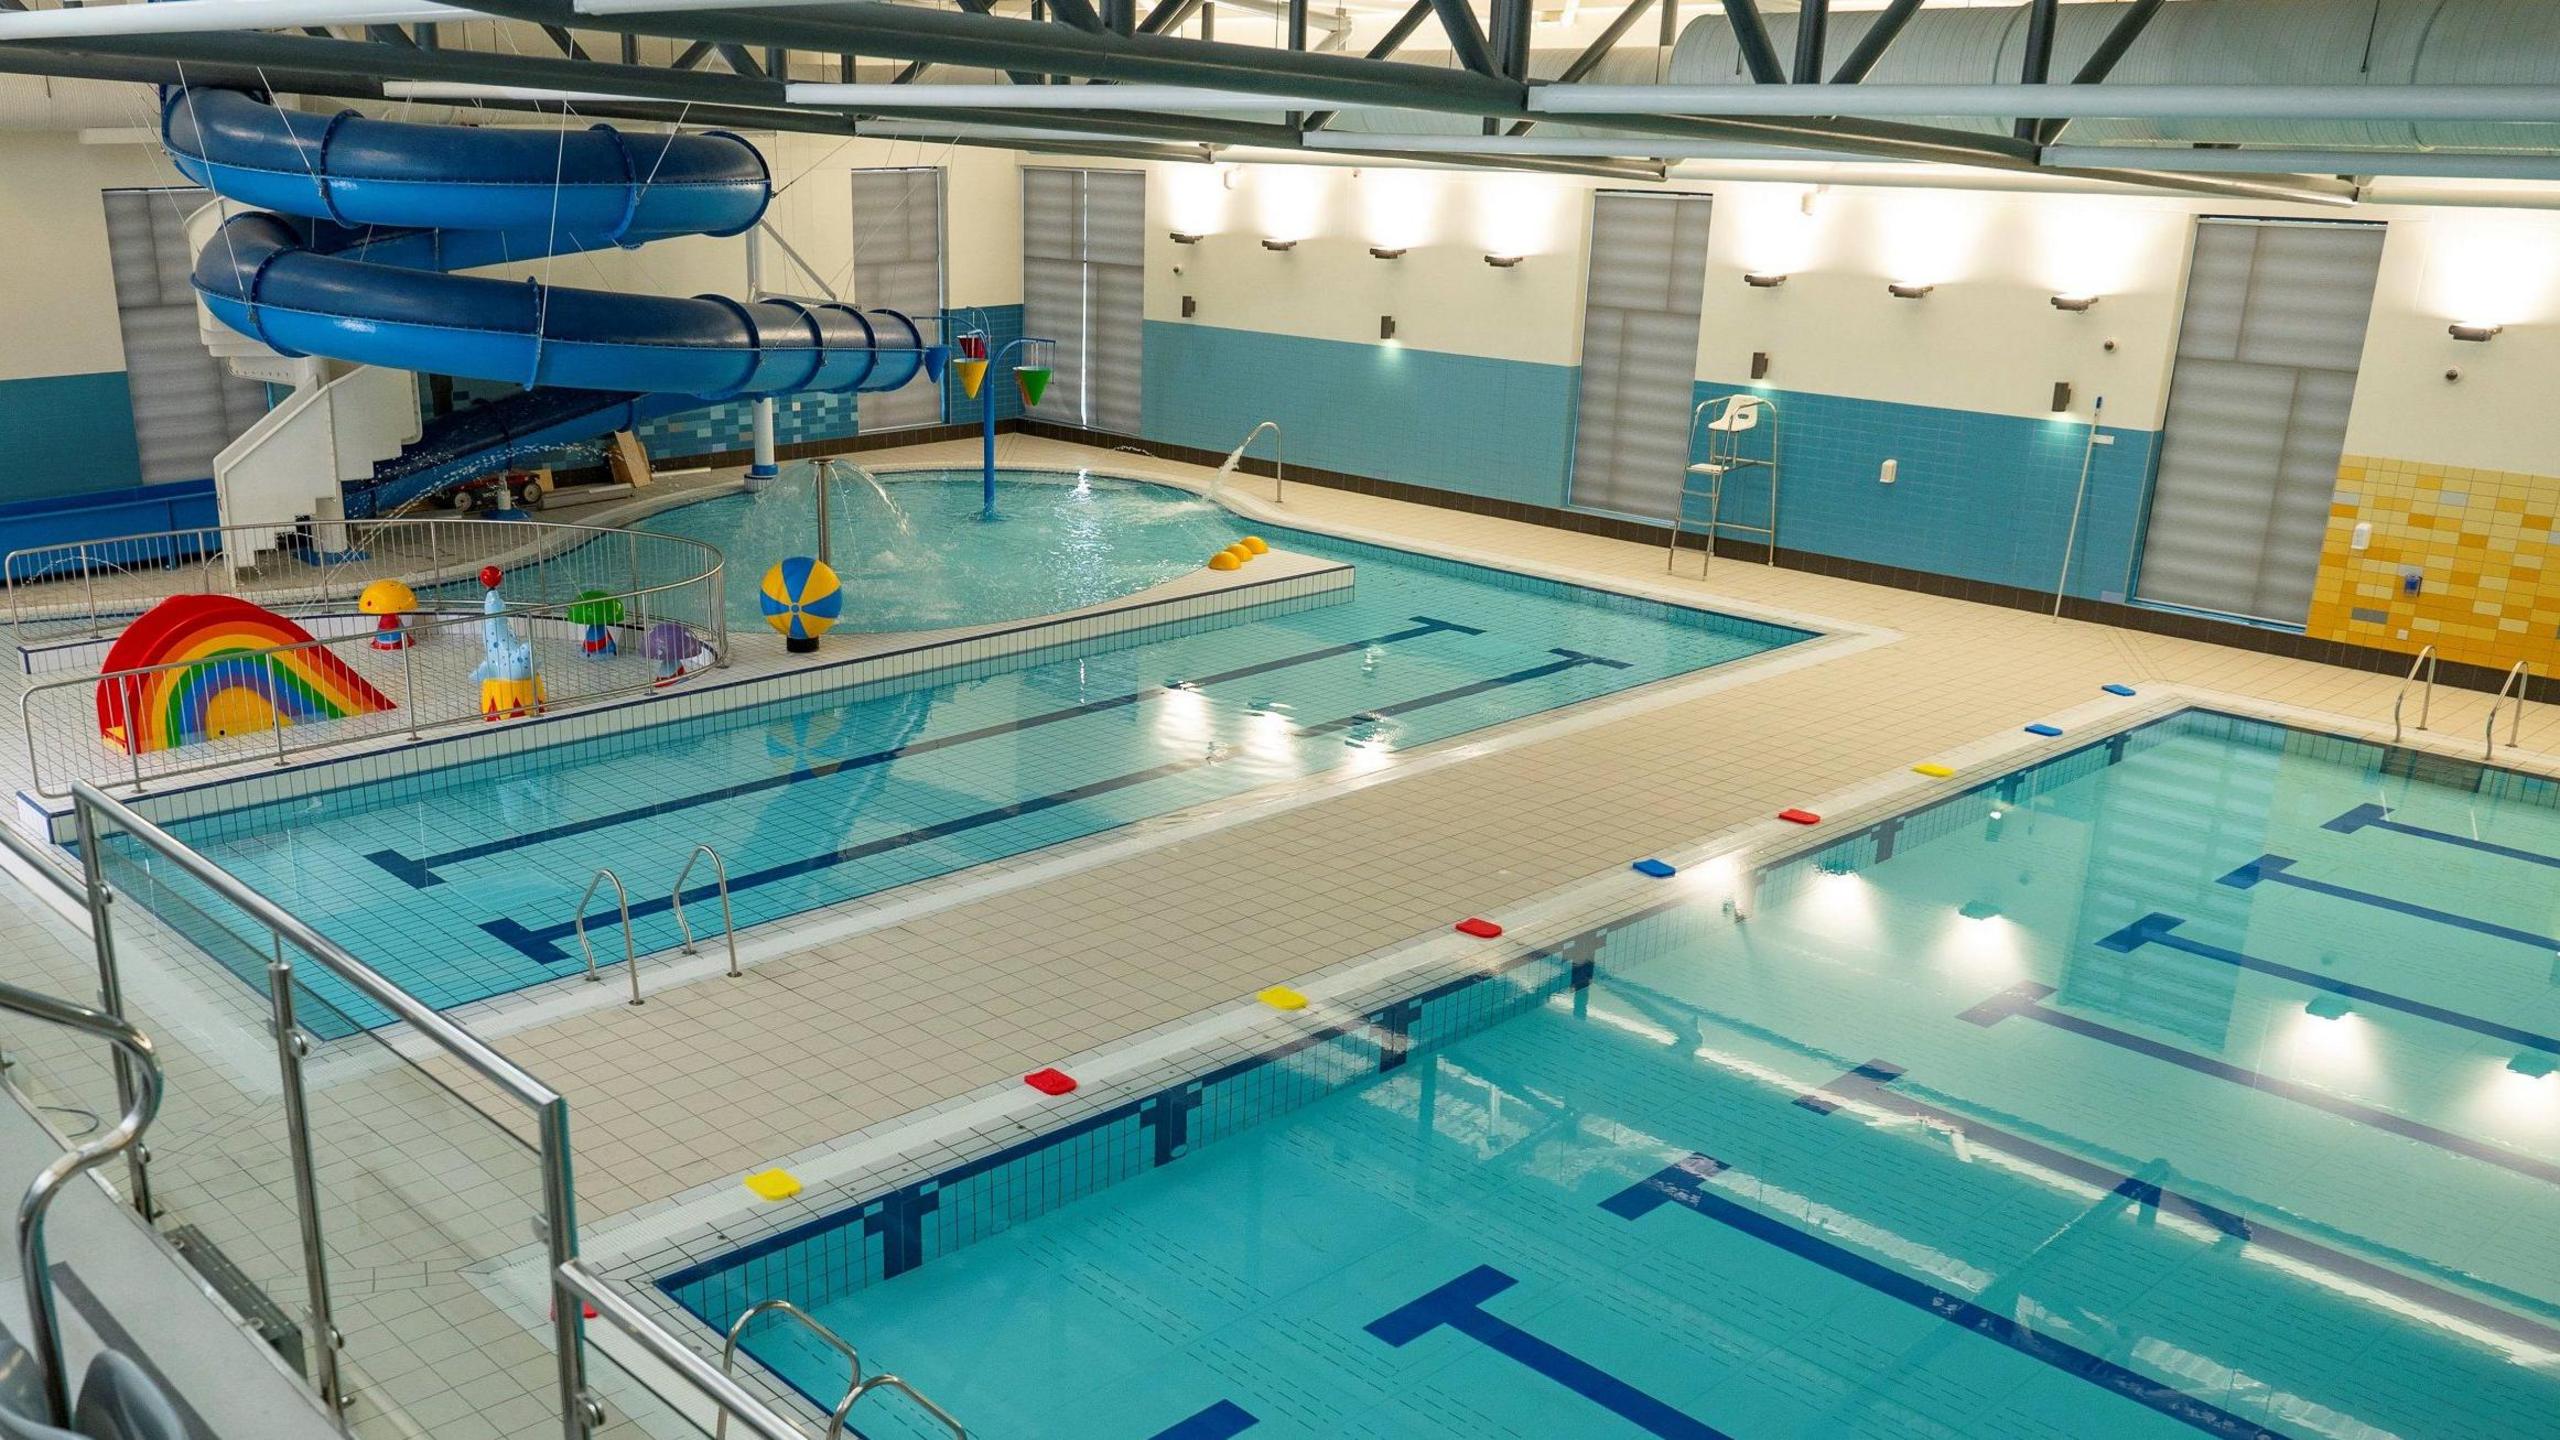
(913,999)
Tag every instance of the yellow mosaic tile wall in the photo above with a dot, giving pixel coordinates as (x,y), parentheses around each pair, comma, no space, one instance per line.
(2485,544)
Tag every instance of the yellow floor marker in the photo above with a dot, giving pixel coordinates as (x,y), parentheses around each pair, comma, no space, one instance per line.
(1934,770)
(1281,997)
(776,1184)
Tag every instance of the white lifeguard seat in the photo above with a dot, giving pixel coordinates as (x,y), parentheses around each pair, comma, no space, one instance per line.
(1727,452)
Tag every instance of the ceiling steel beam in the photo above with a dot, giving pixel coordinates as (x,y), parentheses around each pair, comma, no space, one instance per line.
(2036,65)
(2504,103)
(1813,25)
(1882,31)
(1598,50)
(1466,36)
(2102,61)
(1167,16)
(1410,21)
(1751,36)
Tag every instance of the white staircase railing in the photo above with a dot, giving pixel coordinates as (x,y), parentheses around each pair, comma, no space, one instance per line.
(328,432)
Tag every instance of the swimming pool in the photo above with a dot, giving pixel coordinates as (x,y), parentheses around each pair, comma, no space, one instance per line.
(2193,1080)
(913,554)
(463,883)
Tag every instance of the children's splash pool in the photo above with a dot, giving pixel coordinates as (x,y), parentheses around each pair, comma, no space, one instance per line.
(913,553)
(2195,1081)
(463,883)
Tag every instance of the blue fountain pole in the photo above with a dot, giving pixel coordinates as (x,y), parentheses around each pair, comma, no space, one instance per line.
(987,421)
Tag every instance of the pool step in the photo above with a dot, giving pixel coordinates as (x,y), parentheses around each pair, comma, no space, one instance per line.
(2431,769)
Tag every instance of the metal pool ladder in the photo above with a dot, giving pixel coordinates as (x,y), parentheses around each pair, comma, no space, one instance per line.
(1279,468)
(2426,697)
(630,953)
(855,1389)
(2518,680)
(728,924)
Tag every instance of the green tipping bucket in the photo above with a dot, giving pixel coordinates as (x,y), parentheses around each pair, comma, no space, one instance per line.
(1034,380)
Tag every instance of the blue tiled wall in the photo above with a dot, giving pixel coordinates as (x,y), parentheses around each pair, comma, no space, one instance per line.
(68,435)
(730,425)
(1499,428)
(1983,497)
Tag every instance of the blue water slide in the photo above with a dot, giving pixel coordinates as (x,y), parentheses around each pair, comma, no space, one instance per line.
(361,223)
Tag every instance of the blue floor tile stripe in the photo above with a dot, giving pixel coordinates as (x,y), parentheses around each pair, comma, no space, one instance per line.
(2026,1000)
(1685,1183)
(2278,870)
(1219,1422)
(2377,817)
(1872,1086)
(1458,1306)
(1572,660)
(2156,929)
(541,943)
(420,872)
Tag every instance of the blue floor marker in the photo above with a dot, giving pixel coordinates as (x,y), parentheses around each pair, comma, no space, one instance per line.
(1458,1306)
(540,943)
(2047,731)
(1572,660)
(1685,1184)
(1218,1422)
(2117,689)
(2278,869)
(421,872)
(1871,1086)
(2026,1000)
(1659,870)
(2157,929)
(2376,817)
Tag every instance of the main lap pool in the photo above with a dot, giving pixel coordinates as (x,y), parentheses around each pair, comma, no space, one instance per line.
(2195,1080)
(463,883)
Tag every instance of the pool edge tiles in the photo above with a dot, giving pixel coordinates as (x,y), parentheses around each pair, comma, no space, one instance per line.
(1298,582)
(922,1187)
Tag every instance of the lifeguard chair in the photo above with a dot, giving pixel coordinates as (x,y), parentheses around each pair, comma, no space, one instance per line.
(1729,452)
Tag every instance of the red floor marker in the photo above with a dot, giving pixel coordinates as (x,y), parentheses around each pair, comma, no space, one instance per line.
(1481,929)
(1800,817)
(1050,1081)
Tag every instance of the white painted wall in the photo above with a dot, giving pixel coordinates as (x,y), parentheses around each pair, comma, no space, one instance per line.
(2473,266)
(58,304)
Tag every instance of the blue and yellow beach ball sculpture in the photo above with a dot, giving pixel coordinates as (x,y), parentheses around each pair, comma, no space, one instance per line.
(801,600)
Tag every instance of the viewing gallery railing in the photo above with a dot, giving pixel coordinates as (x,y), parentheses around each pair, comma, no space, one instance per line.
(597,614)
(389,1202)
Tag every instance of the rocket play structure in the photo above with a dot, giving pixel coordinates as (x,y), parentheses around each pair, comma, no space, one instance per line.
(362,223)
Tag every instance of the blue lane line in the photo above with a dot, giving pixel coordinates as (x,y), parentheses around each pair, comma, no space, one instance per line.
(2026,999)
(1218,1422)
(541,943)
(1572,659)
(2278,870)
(1458,1305)
(421,872)
(1871,1084)
(2156,928)
(1685,1183)
(2377,817)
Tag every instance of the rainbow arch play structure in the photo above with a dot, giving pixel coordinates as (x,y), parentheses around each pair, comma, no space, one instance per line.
(212,669)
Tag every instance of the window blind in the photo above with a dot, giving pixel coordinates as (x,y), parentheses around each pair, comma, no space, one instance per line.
(186,404)
(897,265)
(2268,345)
(1639,351)
(1083,254)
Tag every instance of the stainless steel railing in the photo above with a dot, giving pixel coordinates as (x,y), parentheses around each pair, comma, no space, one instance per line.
(1279,467)
(808,1322)
(2426,697)
(715,1386)
(630,952)
(2519,679)
(728,921)
(44,1326)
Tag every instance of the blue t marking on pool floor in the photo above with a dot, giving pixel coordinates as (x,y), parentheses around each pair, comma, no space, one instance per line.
(2278,870)
(1870,1086)
(1458,1305)
(2027,999)
(1571,660)
(541,943)
(1685,1183)
(2156,928)
(1218,1422)
(421,872)
(2378,817)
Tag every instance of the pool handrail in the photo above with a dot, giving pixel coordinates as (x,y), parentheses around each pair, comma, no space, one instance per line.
(715,1385)
(826,1336)
(728,921)
(2519,680)
(2426,697)
(578,922)
(44,1325)
(1235,457)
(836,1427)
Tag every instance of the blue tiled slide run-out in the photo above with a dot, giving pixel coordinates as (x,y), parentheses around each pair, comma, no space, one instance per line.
(363,221)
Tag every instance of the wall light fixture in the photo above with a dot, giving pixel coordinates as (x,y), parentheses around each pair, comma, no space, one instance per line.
(1762,280)
(1503,262)
(1387,252)
(2473,332)
(2074,303)
(1269,244)
(1901,291)
(1183,238)
(1386,327)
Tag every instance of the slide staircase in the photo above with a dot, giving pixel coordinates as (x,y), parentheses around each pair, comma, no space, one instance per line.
(330,266)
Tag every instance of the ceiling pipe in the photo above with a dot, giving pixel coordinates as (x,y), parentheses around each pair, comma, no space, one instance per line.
(1040,97)
(2516,103)
(177,17)
(1582,146)
(2434,164)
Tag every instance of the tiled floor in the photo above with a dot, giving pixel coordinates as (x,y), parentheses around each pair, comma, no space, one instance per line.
(919,996)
